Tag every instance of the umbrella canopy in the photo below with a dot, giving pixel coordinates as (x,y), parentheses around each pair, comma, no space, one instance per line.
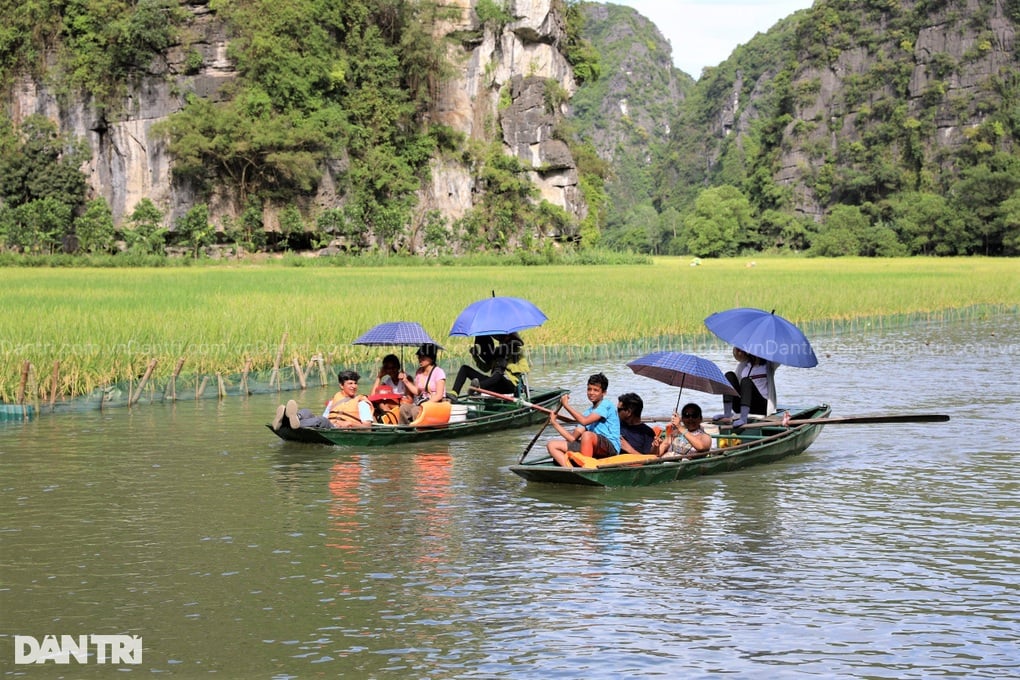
(402,333)
(763,334)
(683,370)
(497,316)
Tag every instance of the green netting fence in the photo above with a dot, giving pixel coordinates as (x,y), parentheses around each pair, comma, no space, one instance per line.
(154,388)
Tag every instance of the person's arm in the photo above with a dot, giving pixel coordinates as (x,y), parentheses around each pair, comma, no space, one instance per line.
(438,390)
(409,386)
(625,446)
(581,419)
(661,446)
(701,442)
(554,421)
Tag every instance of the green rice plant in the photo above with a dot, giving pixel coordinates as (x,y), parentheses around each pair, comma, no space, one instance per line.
(106,325)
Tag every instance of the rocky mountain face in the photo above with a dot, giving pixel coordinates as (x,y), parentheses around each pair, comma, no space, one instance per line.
(942,76)
(522,56)
(129,162)
(639,93)
(850,102)
(627,114)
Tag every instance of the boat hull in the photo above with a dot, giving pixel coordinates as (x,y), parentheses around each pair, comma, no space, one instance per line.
(777,443)
(484,415)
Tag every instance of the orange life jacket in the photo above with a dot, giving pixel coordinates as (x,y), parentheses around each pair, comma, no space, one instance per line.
(343,408)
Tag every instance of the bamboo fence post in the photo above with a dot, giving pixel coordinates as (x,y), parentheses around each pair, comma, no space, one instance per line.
(276,363)
(322,371)
(54,383)
(25,368)
(221,386)
(299,373)
(171,386)
(201,387)
(141,384)
(244,378)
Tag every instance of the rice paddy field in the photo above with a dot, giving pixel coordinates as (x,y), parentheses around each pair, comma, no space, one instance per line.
(66,332)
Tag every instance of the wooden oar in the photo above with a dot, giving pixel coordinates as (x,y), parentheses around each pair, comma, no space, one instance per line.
(535,438)
(520,401)
(853,420)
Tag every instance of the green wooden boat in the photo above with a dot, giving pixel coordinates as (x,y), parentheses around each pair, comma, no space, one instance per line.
(766,445)
(483,414)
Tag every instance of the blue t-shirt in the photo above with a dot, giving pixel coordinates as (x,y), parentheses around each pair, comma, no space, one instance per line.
(608,424)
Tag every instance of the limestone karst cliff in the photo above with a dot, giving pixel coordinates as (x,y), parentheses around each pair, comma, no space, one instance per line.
(495,91)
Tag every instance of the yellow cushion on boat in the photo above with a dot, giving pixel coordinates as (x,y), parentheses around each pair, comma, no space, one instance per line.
(433,413)
(581,460)
(625,458)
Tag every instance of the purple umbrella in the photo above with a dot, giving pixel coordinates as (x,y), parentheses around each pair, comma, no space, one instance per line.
(683,370)
(396,333)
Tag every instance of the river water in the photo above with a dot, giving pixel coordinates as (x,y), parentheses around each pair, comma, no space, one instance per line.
(882,552)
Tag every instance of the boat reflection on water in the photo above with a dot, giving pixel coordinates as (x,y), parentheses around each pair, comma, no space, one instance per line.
(399,502)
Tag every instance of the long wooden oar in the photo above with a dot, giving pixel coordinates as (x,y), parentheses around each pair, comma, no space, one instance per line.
(534,439)
(504,397)
(854,420)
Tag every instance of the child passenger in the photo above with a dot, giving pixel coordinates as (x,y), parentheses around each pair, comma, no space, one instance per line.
(598,434)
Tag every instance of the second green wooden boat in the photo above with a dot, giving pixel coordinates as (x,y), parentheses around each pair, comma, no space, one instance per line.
(482,414)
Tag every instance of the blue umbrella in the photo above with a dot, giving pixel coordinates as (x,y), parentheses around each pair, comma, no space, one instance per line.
(402,333)
(497,316)
(763,334)
(683,370)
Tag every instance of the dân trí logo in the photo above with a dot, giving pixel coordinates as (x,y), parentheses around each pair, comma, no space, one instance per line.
(61,649)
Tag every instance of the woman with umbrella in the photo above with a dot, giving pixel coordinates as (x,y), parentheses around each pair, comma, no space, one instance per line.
(755,381)
(764,341)
(427,384)
(689,440)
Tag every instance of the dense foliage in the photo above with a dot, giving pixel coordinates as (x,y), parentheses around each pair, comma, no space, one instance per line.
(873,176)
(323,85)
(626,116)
(337,91)
(814,137)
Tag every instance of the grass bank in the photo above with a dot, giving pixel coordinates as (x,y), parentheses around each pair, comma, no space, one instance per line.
(106,325)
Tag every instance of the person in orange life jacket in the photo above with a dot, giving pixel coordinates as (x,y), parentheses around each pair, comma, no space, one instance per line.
(388,391)
(754,381)
(428,384)
(387,405)
(347,409)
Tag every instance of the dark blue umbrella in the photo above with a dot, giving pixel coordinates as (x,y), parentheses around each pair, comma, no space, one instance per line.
(497,316)
(763,334)
(396,333)
(683,370)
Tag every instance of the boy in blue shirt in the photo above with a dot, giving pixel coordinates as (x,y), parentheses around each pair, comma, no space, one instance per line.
(598,434)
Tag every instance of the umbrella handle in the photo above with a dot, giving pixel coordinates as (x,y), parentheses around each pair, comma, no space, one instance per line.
(676,409)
